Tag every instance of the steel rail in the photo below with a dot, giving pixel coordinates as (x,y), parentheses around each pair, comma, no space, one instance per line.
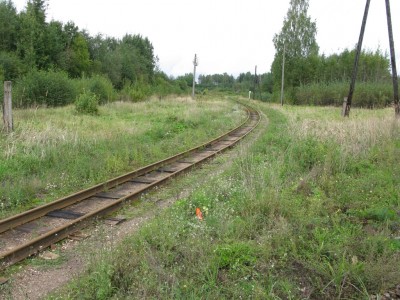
(33,246)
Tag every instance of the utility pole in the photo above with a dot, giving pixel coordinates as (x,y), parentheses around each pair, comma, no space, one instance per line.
(255,83)
(195,64)
(393,61)
(347,105)
(7,108)
(283,72)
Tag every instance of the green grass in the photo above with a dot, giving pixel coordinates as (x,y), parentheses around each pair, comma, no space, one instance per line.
(311,210)
(54,152)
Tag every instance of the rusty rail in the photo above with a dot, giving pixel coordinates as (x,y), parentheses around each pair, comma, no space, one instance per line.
(41,242)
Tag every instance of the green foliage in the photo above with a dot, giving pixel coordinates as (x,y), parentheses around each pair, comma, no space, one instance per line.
(87,103)
(298,40)
(235,256)
(48,88)
(381,214)
(30,43)
(220,81)
(8,26)
(130,60)
(317,80)
(163,86)
(367,95)
(373,67)
(135,92)
(10,65)
(77,60)
(99,85)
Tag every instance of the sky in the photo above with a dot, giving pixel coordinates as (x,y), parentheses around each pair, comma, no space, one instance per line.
(231,36)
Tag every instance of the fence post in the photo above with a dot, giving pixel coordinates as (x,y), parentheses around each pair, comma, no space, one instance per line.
(344,108)
(7,107)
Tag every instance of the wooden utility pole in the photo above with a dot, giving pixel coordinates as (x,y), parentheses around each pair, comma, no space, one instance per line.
(283,73)
(195,64)
(346,108)
(255,83)
(7,107)
(393,61)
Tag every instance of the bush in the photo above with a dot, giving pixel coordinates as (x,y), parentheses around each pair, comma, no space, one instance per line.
(367,95)
(44,88)
(98,85)
(135,92)
(87,103)
(10,66)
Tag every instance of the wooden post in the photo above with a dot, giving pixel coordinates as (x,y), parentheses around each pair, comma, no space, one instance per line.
(7,107)
(344,107)
(255,83)
(195,64)
(357,58)
(283,73)
(393,61)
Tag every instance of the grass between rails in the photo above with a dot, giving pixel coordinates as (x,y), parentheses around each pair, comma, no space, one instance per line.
(54,152)
(312,210)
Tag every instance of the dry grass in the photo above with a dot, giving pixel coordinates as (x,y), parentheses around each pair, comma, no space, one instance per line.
(48,142)
(363,130)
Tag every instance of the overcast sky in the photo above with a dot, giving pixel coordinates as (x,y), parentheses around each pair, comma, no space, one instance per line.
(228,35)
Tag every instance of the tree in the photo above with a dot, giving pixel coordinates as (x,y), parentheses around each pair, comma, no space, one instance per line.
(31,43)
(55,44)
(138,59)
(8,26)
(78,56)
(298,37)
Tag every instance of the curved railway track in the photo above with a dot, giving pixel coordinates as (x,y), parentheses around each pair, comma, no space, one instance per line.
(28,233)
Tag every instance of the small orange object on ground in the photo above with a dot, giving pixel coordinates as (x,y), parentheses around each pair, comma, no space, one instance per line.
(199,214)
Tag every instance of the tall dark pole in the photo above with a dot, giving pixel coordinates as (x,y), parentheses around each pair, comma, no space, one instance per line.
(393,61)
(346,111)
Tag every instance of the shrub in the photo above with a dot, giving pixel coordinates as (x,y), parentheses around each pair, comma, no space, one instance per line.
(98,85)
(135,92)
(366,95)
(87,103)
(44,88)
(10,66)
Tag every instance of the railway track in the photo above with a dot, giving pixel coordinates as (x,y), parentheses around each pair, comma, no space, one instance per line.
(30,232)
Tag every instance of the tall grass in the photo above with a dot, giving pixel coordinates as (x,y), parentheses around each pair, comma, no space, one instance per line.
(55,151)
(302,214)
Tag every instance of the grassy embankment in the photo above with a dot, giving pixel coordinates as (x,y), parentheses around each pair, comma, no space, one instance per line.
(311,210)
(54,151)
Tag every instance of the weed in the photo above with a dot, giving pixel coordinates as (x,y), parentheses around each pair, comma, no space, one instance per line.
(55,151)
(302,214)
(87,103)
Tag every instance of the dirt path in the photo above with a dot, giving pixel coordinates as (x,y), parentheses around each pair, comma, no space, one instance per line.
(41,277)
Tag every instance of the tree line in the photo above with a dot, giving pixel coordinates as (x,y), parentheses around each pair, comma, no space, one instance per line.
(310,77)
(29,45)
(52,63)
